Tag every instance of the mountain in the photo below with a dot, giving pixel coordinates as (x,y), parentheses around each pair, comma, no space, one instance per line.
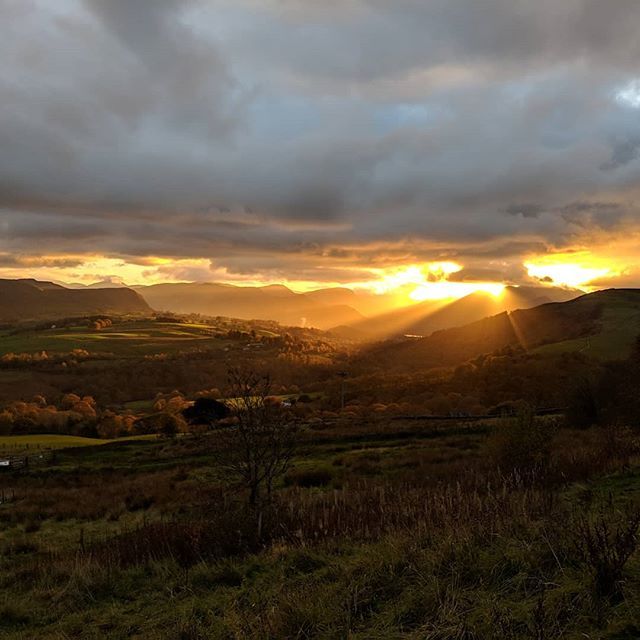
(110,282)
(34,300)
(426,317)
(603,324)
(273,302)
(334,296)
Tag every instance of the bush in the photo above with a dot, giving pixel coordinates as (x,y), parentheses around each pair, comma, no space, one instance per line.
(319,477)
(522,445)
(605,546)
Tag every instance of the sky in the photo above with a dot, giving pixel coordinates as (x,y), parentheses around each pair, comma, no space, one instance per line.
(357,142)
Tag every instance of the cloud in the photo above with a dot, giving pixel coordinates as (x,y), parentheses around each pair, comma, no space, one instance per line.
(315,138)
(526,210)
(622,153)
(31,262)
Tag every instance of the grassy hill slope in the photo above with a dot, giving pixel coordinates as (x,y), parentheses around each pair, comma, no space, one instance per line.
(604,324)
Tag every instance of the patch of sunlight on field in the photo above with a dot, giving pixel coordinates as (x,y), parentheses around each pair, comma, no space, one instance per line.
(122,339)
(56,441)
(619,327)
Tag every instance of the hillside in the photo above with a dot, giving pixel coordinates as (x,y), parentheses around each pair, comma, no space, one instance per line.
(424,318)
(22,300)
(274,302)
(603,324)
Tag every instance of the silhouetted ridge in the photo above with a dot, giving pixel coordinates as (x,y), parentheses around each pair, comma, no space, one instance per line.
(32,300)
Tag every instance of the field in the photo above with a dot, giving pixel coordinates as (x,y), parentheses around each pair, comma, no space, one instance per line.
(619,327)
(125,339)
(397,532)
(27,443)
(381,526)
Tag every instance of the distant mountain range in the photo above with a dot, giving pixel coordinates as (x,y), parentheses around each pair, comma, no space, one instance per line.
(110,282)
(321,309)
(361,315)
(27,299)
(603,324)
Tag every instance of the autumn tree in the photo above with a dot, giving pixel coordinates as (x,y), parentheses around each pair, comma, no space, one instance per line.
(259,447)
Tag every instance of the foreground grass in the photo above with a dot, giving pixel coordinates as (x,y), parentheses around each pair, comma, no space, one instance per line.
(494,562)
(521,585)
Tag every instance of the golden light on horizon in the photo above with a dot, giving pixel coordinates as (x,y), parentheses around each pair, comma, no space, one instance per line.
(445,290)
(429,281)
(413,274)
(397,286)
(569,270)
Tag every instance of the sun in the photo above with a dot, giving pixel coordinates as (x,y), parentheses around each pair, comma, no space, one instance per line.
(445,290)
(429,281)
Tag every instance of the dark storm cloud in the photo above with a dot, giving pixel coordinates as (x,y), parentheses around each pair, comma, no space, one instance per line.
(622,153)
(8,260)
(526,210)
(227,130)
(602,215)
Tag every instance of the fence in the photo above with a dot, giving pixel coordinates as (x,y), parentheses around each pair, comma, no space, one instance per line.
(12,463)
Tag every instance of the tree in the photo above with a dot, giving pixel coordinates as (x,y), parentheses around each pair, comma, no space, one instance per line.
(259,447)
(170,424)
(205,411)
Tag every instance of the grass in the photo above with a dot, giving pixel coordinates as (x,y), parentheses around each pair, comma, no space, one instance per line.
(130,338)
(55,441)
(620,325)
(397,534)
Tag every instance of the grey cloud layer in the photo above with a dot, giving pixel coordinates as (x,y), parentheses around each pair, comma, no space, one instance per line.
(229,129)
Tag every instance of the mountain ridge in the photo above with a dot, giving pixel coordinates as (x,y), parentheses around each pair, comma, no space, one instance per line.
(603,324)
(30,299)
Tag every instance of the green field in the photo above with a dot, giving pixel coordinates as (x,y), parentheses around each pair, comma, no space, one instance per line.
(620,325)
(55,441)
(133,338)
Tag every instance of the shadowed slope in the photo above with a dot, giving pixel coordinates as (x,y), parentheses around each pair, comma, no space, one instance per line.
(32,300)
(599,318)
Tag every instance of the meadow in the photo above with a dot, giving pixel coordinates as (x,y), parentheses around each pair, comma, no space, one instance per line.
(25,444)
(126,339)
(379,530)
(513,527)
(618,328)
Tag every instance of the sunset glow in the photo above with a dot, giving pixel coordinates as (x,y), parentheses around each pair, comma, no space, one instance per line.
(402,284)
(429,281)
(576,271)
(444,290)
(258,143)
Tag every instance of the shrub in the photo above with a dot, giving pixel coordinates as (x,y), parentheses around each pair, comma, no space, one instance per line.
(522,445)
(605,546)
(319,477)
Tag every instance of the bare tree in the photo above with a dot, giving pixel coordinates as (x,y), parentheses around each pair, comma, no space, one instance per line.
(258,449)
